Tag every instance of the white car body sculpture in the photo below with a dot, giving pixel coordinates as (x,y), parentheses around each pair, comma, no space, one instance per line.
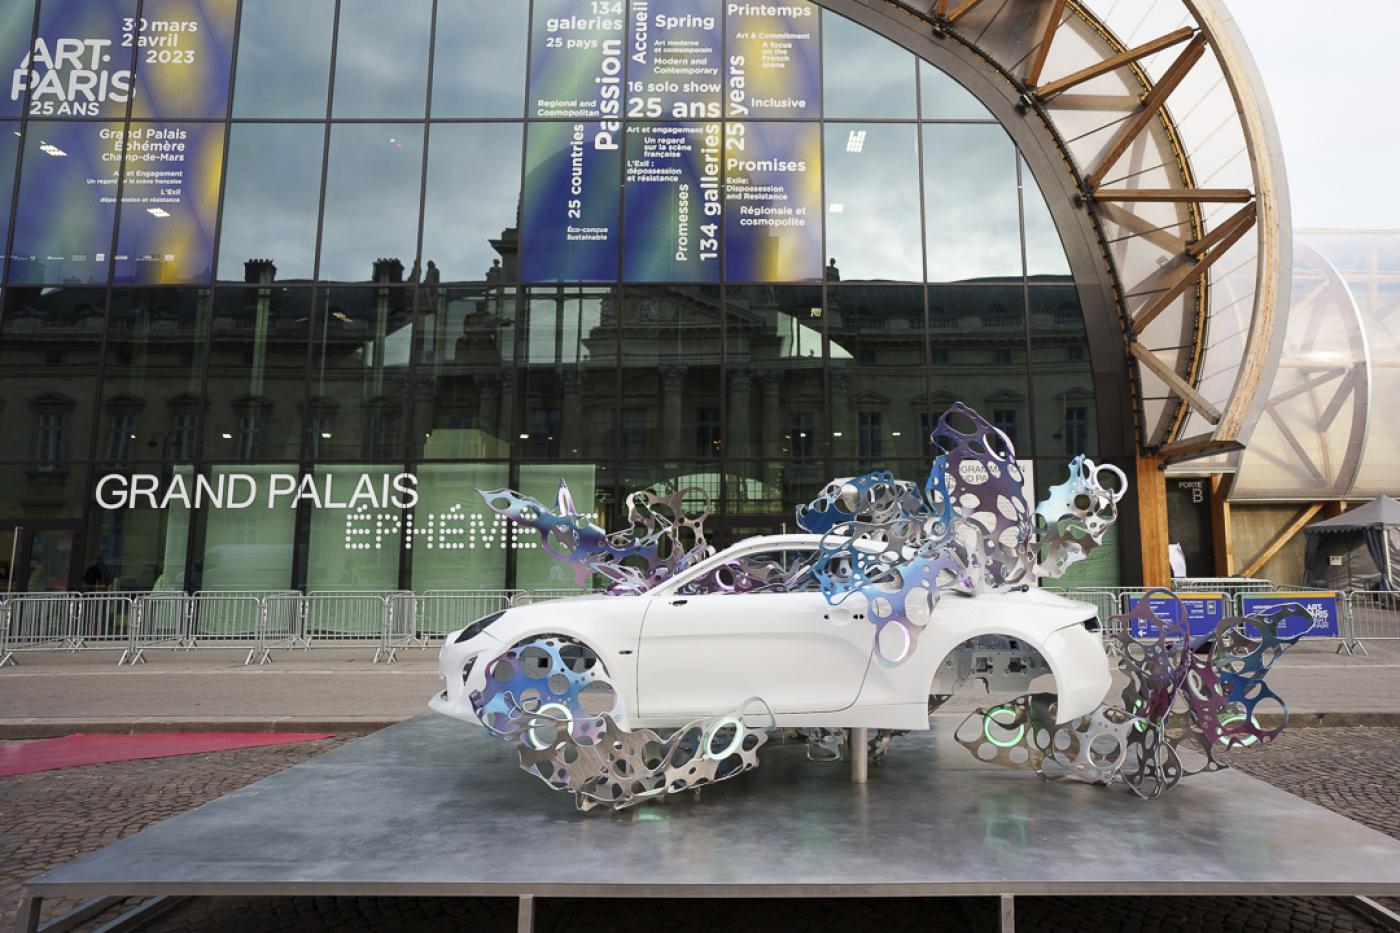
(676,658)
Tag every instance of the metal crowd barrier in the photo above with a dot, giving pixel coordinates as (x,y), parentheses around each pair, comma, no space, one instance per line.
(526,597)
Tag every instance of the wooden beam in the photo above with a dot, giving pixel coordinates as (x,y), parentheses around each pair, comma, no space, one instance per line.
(1047,35)
(1222,539)
(1193,448)
(1158,236)
(1307,386)
(1245,215)
(1151,105)
(1187,275)
(1300,453)
(965,8)
(1175,195)
(1123,102)
(1181,387)
(1047,91)
(1289,532)
(940,8)
(1154,537)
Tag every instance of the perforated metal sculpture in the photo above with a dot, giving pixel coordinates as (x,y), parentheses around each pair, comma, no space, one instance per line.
(882,551)
(553,700)
(1181,712)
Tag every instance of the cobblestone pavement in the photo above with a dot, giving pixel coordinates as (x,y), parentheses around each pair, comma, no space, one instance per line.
(1350,770)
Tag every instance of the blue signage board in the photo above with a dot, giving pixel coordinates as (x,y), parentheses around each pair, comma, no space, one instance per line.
(1204,611)
(1322,610)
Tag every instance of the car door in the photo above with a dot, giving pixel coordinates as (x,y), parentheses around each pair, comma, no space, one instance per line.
(704,655)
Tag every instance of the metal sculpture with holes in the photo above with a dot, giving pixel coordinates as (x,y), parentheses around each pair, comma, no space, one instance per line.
(653,689)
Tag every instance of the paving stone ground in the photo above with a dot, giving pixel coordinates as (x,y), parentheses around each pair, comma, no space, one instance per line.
(52,818)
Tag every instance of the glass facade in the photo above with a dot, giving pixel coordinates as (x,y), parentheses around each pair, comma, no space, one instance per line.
(299,251)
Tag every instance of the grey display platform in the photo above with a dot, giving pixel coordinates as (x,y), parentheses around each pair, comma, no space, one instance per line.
(431,806)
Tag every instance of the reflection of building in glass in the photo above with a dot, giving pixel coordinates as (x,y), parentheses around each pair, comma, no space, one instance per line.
(342,295)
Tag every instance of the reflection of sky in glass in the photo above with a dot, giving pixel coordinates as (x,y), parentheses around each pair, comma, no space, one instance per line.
(284,58)
(867,75)
(872,201)
(381,58)
(272,215)
(1045,254)
(972,207)
(371,199)
(473,195)
(475,78)
(945,99)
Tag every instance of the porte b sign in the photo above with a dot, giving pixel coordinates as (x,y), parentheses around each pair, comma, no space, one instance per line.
(381,510)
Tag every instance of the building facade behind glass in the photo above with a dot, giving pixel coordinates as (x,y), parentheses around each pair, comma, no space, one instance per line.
(346,240)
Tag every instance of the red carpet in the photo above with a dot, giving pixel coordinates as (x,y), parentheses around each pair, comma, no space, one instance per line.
(85,749)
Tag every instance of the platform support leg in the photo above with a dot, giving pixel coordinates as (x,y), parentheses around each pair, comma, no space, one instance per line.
(525,919)
(28,919)
(857,744)
(1008,914)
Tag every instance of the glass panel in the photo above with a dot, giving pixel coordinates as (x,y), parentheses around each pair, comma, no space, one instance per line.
(1066,415)
(576,60)
(359,371)
(466,353)
(91,80)
(185,58)
(50,349)
(248,548)
(473,203)
(284,58)
(480,58)
(10,536)
(474,560)
(872,202)
(568,340)
(1045,253)
(878,391)
(675,60)
(169,208)
(9,155)
(867,75)
(42,490)
(946,99)
(67,195)
(257,374)
(151,389)
(571,203)
(590,486)
(16,29)
(50,560)
(977,347)
(372,192)
(774,60)
(670,373)
(381,58)
(673,202)
(269,225)
(773,202)
(355,548)
(972,205)
(132,546)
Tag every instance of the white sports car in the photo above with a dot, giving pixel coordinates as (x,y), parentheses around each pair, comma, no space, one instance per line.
(674,658)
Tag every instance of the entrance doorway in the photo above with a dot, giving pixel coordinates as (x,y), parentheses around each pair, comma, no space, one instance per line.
(38,556)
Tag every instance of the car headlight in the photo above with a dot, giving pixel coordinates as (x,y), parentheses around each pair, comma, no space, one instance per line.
(479,626)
